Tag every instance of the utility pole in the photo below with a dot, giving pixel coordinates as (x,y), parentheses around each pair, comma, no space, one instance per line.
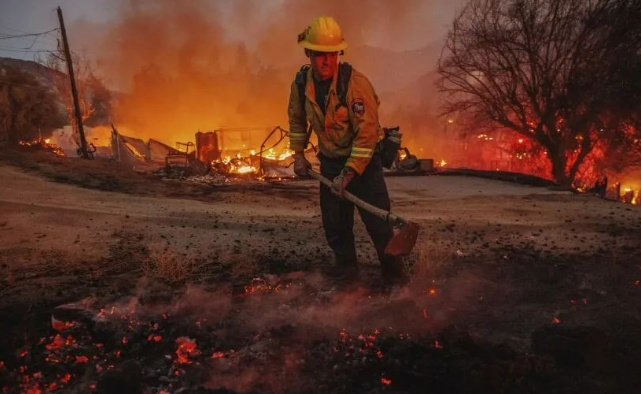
(74,91)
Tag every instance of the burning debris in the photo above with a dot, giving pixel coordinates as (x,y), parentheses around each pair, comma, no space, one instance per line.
(42,144)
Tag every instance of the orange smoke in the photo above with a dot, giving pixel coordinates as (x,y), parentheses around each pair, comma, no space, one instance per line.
(206,65)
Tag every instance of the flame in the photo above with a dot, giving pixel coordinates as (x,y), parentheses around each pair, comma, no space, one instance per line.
(272,155)
(134,151)
(239,164)
(236,165)
(245,170)
(44,144)
(443,163)
(630,195)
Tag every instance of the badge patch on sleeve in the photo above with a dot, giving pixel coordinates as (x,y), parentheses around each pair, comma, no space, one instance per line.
(358,107)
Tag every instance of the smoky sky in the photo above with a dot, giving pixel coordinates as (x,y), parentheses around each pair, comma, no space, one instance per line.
(205,64)
(391,24)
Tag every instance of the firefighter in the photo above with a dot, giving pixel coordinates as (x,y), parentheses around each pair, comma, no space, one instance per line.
(341,107)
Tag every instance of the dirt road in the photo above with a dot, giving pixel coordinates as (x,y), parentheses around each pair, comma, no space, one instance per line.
(504,260)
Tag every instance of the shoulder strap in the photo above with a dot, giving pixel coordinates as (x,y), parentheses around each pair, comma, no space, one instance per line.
(344,76)
(301,83)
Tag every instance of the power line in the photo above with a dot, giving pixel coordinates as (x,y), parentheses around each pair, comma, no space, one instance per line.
(24,50)
(43,39)
(28,34)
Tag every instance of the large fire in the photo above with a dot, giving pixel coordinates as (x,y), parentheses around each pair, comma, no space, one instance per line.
(237,165)
(248,165)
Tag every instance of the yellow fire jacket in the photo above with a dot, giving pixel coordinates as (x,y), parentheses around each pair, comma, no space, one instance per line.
(351,132)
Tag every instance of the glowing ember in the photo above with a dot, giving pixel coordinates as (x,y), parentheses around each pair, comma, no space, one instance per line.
(154,338)
(260,286)
(237,165)
(485,137)
(556,320)
(82,359)
(61,325)
(57,343)
(443,163)
(186,348)
(385,381)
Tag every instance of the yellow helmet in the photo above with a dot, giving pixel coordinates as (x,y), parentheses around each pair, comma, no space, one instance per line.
(323,35)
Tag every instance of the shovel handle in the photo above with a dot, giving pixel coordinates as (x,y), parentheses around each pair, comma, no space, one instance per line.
(381,213)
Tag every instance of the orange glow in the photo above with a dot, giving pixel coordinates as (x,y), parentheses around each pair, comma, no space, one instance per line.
(385,381)
(245,170)
(57,343)
(59,325)
(272,155)
(186,348)
(44,144)
(443,163)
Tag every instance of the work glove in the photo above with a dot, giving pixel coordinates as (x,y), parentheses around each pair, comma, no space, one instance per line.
(341,182)
(301,165)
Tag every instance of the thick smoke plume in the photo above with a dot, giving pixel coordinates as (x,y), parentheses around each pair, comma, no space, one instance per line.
(204,65)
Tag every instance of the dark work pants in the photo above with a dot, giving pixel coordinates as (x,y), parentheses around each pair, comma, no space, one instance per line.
(338,214)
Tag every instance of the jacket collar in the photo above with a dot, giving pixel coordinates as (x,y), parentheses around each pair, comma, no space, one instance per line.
(310,91)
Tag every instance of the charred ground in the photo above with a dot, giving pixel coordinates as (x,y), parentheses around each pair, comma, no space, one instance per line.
(515,288)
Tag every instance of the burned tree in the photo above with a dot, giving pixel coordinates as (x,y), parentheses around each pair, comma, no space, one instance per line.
(26,106)
(561,73)
(94,97)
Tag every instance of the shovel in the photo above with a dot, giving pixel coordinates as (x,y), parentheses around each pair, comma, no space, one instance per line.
(405,231)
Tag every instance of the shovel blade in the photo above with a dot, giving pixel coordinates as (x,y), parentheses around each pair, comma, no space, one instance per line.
(403,241)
